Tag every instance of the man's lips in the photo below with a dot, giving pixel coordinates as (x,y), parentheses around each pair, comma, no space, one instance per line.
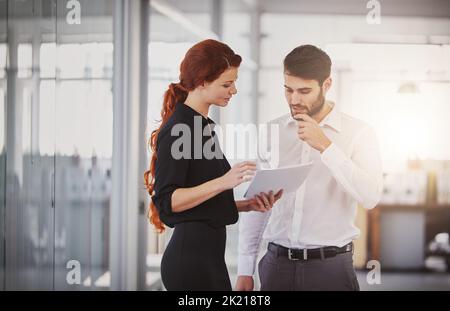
(299,109)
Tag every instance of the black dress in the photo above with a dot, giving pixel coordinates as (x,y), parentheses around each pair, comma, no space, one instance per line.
(188,156)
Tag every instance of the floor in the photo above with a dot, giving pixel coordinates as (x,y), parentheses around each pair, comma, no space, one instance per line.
(400,281)
(407,281)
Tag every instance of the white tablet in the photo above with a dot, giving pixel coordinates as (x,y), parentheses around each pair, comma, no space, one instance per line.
(288,178)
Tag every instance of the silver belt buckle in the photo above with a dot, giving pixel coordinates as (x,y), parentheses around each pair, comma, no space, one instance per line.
(290,255)
(305,254)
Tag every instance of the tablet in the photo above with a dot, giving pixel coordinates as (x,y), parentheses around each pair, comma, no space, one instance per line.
(288,178)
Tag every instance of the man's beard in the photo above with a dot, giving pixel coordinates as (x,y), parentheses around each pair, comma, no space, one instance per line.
(316,106)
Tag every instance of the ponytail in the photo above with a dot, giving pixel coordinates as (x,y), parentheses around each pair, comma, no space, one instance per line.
(175,93)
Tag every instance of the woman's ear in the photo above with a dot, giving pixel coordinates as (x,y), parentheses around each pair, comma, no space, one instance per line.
(203,86)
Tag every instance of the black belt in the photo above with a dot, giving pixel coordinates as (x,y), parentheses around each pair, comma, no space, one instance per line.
(306,254)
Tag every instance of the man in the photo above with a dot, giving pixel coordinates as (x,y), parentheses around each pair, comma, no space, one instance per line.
(310,232)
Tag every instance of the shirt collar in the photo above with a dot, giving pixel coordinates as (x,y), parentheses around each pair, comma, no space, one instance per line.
(188,111)
(333,119)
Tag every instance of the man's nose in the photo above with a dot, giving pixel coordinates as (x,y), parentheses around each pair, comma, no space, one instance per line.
(296,99)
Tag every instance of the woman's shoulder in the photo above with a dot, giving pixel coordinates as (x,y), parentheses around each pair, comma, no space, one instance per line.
(177,122)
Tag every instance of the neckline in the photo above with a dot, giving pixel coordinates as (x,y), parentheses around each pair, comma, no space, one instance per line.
(195,112)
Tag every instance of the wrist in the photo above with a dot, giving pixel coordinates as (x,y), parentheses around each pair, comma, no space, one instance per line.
(242,205)
(219,184)
(325,145)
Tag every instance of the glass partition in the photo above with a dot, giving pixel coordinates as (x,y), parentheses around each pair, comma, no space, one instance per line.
(27,173)
(83,118)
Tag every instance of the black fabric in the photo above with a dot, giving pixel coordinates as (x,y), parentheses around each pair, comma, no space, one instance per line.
(194,259)
(172,173)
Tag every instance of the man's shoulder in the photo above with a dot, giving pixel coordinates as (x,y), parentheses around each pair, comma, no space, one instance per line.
(352,123)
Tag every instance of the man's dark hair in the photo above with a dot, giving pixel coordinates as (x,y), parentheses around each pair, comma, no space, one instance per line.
(308,62)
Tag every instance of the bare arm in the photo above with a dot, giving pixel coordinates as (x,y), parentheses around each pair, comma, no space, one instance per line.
(187,198)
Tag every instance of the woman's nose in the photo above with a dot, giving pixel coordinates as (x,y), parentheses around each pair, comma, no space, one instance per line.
(233,90)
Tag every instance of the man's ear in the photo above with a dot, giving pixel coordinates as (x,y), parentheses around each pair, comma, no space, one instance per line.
(327,84)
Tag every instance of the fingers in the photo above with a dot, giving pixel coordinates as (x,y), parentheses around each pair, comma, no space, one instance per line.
(247,175)
(304,117)
(278,195)
(260,203)
(246,171)
(271,198)
(302,124)
(266,201)
(247,163)
(246,178)
(246,166)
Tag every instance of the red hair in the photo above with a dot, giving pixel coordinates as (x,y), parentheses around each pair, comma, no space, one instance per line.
(204,62)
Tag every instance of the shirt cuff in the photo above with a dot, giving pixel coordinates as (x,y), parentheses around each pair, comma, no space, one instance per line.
(246,265)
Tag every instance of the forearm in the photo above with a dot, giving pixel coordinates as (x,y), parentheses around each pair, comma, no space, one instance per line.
(362,182)
(242,205)
(251,229)
(187,198)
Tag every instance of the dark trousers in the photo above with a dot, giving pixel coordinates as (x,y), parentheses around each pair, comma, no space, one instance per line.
(279,273)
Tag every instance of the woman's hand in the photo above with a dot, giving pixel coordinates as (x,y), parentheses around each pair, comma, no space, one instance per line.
(239,173)
(187,198)
(260,203)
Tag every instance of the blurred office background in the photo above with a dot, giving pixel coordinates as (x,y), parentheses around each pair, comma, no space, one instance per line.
(81,86)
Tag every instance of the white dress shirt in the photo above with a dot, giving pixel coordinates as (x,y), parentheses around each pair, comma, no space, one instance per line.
(322,211)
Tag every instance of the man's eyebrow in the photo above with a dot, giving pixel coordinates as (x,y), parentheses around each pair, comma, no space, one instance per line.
(300,89)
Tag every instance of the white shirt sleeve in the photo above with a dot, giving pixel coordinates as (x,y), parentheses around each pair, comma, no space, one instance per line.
(252,224)
(361,174)
(251,229)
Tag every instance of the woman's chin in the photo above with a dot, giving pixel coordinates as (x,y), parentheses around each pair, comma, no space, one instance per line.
(222,104)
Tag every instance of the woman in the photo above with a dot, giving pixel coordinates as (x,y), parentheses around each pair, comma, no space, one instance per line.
(191,190)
